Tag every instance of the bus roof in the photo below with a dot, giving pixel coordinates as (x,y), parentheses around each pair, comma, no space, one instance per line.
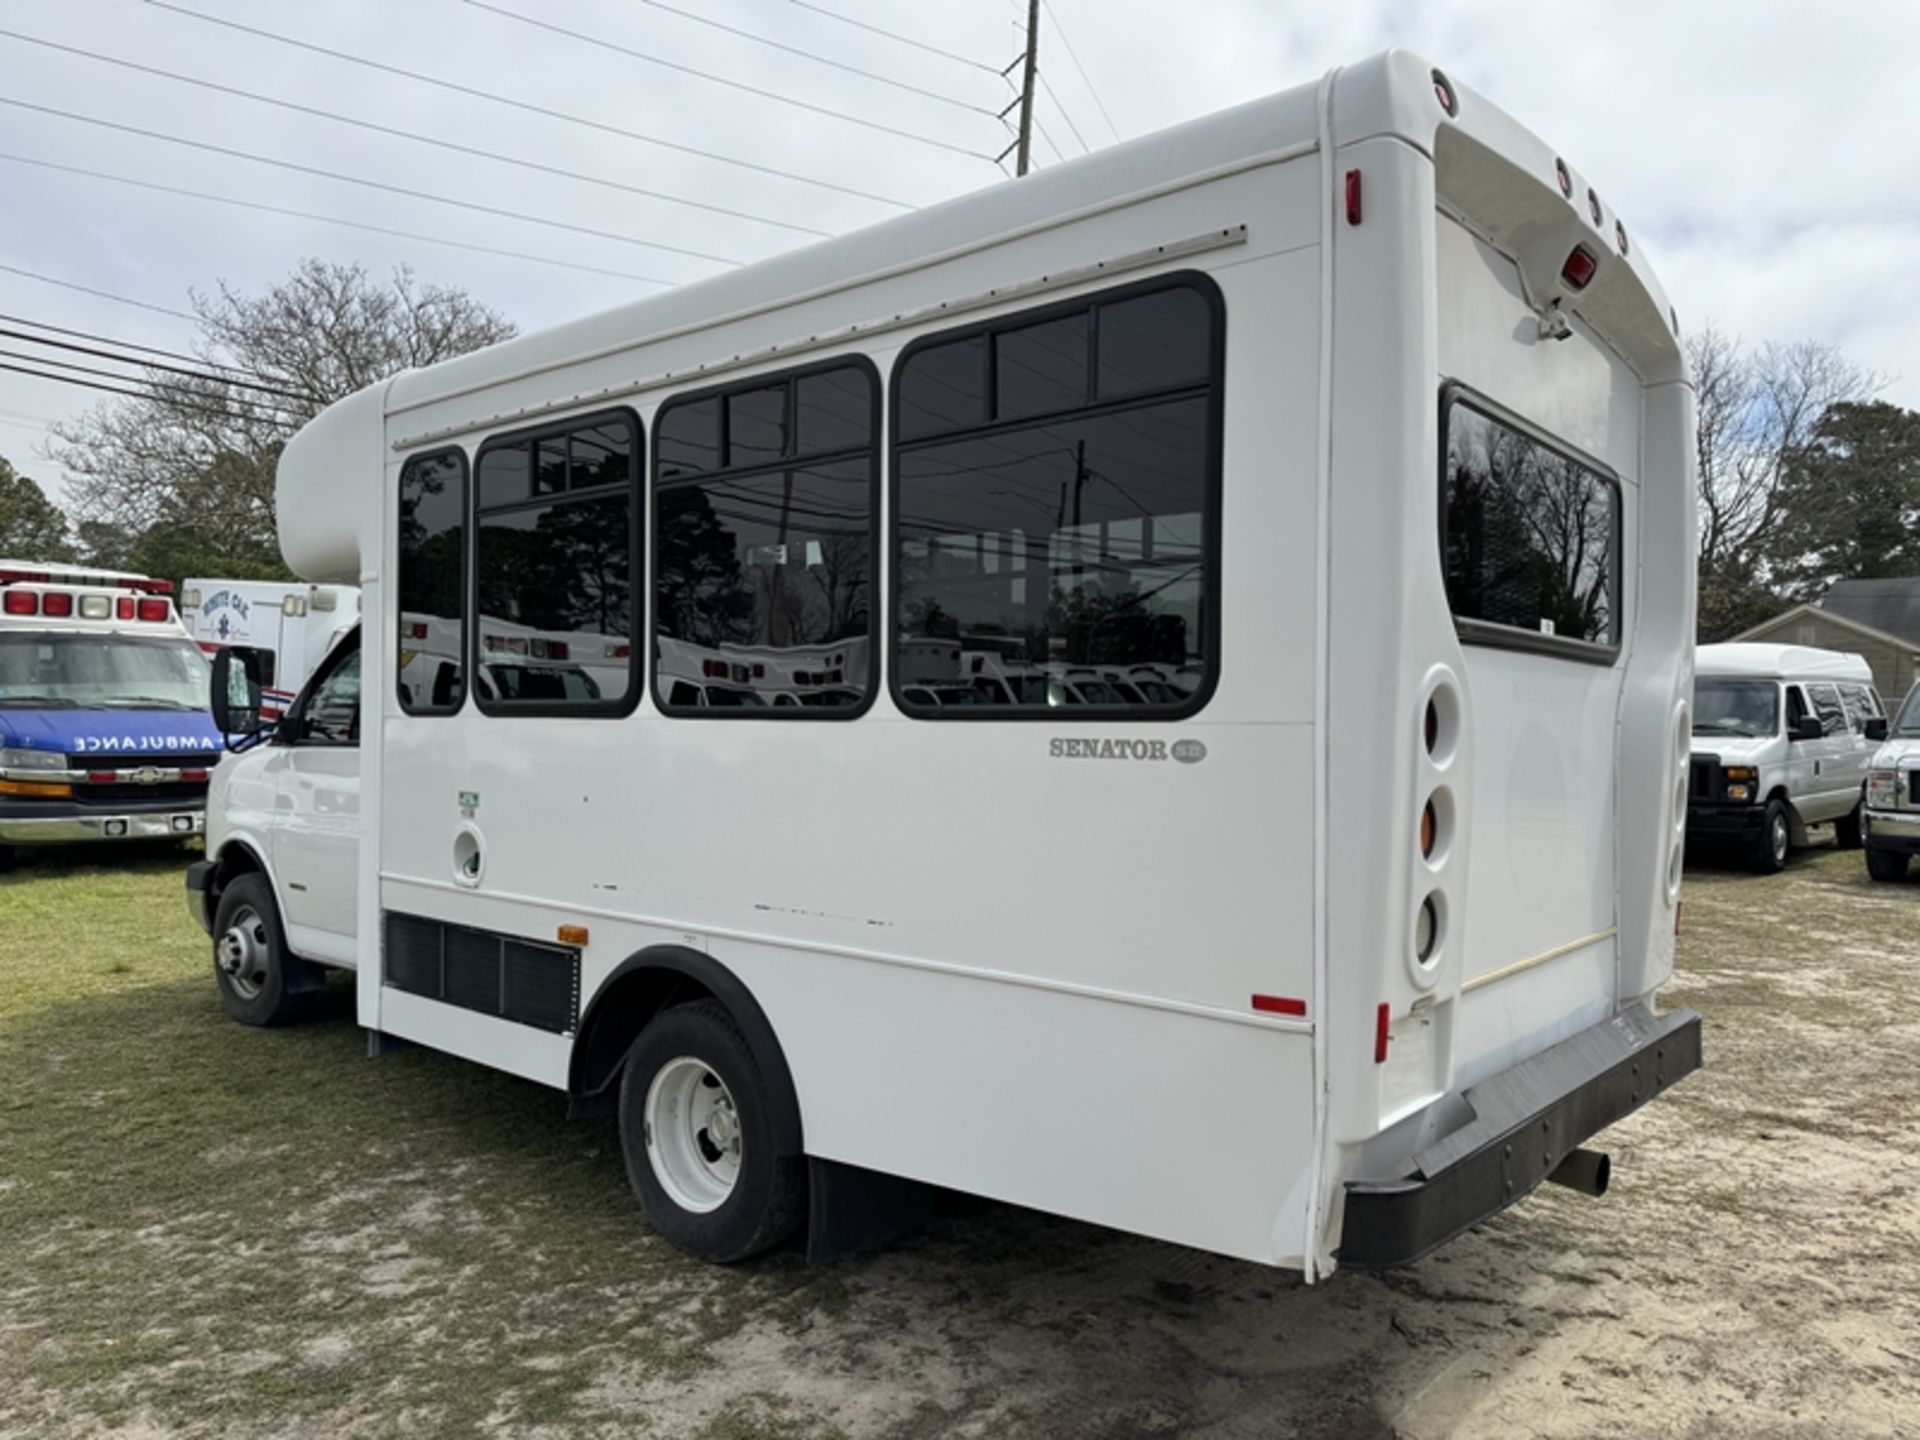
(1780,662)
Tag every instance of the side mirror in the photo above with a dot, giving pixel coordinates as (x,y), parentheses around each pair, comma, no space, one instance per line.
(235,697)
(1808,727)
(1876,728)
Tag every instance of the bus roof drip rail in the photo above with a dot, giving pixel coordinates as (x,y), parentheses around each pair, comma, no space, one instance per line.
(1000,294)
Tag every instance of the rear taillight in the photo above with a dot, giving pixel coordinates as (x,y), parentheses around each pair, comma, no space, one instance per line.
(1579,270)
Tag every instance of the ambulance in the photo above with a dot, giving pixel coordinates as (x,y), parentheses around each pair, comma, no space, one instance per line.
(104,730)
(290,624)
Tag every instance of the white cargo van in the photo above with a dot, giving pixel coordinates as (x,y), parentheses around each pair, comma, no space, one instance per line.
(1782,738)
(1338,937)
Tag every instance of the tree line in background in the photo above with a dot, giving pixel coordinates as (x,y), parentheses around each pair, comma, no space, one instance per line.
(1805,478)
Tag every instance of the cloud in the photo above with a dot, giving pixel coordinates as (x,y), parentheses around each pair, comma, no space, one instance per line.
(1761,155)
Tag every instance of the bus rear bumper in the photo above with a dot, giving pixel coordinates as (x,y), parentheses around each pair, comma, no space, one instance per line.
(1526,1121)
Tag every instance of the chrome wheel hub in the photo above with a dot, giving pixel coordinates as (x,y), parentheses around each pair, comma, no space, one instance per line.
(241,953)
(693,1135)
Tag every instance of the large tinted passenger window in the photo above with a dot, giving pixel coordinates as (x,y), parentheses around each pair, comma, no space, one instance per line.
(557,555)
(432,583)
(1056,538)
(1826,704)
(1532,537)
(764,547)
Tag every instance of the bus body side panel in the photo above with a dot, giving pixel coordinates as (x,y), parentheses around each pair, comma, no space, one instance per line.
(992,965)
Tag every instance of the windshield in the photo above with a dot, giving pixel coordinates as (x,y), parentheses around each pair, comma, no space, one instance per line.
(101,672)
(1736,707)
(1908,725)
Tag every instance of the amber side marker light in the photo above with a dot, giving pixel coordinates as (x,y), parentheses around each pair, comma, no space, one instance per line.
(572,935)
(35,790)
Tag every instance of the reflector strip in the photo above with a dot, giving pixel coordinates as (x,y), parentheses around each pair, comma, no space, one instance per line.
(1382,1033)
(1279,1005)
(1353,197)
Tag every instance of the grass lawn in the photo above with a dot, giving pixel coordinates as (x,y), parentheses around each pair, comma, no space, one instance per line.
(207,1230)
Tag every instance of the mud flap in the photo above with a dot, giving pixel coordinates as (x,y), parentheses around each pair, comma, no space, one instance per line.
(851,1210)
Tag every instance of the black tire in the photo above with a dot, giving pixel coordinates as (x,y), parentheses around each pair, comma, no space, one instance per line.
(1887,864)
(767,1200)
(1846,830)
(265,984)
(8,857)
(1768,854)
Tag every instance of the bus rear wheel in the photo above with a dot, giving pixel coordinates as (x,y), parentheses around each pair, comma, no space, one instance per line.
(697,1139)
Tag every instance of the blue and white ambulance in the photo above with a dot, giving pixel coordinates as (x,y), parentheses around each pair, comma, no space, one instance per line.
(104,730)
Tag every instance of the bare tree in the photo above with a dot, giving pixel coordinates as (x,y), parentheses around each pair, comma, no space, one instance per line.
(1756,410)
(194,461)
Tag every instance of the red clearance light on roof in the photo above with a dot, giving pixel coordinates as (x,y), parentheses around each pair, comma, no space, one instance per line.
(1443,92)
(1579,269)
(152,609)
(22,602)
(1353,197)
(57,603)
(1279,1005)
(1620,236)
(1564,176)
(123,607)
(1593,206)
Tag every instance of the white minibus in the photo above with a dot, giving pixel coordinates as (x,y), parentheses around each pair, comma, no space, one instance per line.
(1352,419)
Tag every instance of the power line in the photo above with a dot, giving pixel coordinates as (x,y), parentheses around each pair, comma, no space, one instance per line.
(1067,44)
(812,55)
(330,219)
(413,135)
(740,85)
(102,294)
(527,106)
(120,344)
(893,35)
(219,412)
(33,339)
(380,185)
(162,389)
(1045,85)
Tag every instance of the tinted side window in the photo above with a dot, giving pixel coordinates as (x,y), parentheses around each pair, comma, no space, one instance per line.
(1059,546)
(764,564)
(1826,704)
(432,583)
(1532,535)
(556,554)
(1862,705)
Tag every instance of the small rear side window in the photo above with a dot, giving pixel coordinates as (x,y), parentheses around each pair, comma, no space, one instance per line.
(1530,537)
(1826,704)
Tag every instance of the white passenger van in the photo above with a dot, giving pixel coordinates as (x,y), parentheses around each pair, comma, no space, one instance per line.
(1357,407)
(1892,829)
(1782,738)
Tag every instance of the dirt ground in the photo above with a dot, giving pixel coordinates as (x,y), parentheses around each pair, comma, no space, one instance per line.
(206,1231)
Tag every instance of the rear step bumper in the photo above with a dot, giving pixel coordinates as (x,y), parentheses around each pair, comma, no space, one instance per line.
(1526,1121)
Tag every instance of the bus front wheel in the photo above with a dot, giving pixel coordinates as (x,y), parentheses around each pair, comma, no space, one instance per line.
(698,1143)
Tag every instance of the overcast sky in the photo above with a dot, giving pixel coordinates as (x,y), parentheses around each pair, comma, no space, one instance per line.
(1765,155)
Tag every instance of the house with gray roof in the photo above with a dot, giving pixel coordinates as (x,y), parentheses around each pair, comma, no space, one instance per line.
(1878,620)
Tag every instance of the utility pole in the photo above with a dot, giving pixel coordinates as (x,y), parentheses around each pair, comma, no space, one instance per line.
(1026,84)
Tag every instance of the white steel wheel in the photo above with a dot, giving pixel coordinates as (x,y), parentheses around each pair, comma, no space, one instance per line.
(693,1134)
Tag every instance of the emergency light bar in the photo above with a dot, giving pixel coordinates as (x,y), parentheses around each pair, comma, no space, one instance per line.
(60,576)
